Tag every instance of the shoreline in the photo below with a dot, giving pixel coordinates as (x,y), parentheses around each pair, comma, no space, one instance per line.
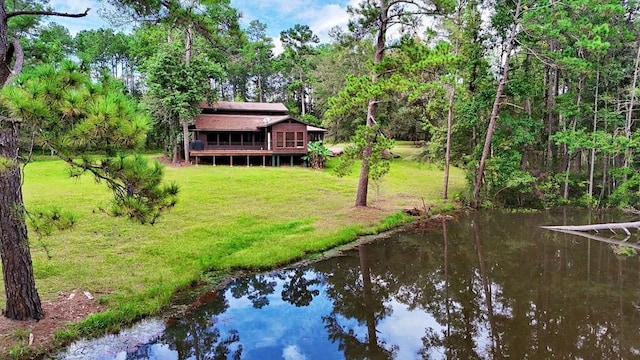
(190,299)
(255,223)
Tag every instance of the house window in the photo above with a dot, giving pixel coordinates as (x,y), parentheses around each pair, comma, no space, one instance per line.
(291,139)
(212,139)
(246,139)
(236,139)
(223,139)
(259,138)
(300,139)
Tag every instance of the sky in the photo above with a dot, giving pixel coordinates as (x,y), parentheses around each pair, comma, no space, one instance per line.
(279,15)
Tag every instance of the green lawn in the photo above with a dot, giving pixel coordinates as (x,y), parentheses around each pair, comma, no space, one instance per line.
(226,218)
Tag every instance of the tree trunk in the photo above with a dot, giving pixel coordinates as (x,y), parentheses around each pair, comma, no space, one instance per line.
(452,96)
(260,92)
(551,104)
(496,106)
(185,123)
(565,193)
(628,154)
(372,108)
(595,127)
(595,227)
(23,302)
(363,180)
(303,107)
(185,140)
(447,152)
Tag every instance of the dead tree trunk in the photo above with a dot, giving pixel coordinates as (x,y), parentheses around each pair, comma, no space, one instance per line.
(595,227)
(628,154)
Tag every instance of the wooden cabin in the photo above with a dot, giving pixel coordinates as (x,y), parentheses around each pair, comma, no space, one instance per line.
(236,133)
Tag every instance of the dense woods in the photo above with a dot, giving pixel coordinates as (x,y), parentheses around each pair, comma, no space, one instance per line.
(536,100)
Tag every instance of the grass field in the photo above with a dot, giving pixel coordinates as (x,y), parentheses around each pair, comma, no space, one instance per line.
(226,218)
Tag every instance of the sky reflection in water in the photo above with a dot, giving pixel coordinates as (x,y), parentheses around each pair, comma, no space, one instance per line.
(489,287)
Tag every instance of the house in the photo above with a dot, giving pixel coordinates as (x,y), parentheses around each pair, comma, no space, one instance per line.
(235,133)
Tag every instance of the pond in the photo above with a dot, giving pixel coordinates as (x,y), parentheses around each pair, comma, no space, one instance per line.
(484,286)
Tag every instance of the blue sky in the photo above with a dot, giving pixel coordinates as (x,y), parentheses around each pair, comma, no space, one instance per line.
(320,15)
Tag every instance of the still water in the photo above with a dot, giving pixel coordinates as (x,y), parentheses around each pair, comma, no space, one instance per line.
(484,286)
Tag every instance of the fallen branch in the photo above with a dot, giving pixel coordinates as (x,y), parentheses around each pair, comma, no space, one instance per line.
(595,227)
(601,238)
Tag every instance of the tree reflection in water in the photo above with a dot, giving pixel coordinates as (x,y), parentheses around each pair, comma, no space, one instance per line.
(489,287)
(363,301)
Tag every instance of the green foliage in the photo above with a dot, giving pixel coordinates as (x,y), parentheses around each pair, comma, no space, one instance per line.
(627,194)
(180,87)
(379,147)
(317,154)
(295,62)
(51,44)
(309,119)
(137,186)
(6,164)
(45,220)
(175,90)
(74,116)
(626,251)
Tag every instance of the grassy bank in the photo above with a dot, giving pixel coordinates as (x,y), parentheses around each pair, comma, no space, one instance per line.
(226,218)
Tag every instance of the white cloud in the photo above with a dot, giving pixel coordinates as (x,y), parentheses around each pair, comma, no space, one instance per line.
(323,19)
(292,352)
(279,15)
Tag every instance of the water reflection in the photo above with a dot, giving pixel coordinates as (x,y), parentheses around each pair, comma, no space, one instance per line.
(486,287)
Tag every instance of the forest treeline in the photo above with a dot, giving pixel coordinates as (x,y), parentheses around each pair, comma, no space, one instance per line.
(537,100)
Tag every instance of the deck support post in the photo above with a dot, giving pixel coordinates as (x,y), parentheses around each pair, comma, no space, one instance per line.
(247,160)
(214,160)
(196,160)
(263,160)
(291,163)
(231,159)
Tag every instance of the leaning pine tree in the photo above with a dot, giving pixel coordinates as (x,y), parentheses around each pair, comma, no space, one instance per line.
(67,113)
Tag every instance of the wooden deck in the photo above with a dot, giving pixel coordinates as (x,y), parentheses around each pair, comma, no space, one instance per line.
(230,152)
(246,157)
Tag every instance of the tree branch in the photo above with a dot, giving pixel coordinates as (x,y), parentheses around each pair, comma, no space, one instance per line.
(47,13)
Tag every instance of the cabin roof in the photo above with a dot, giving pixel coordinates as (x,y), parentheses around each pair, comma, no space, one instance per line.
(243,116)
(230,106)
(224,122)
(316,129)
